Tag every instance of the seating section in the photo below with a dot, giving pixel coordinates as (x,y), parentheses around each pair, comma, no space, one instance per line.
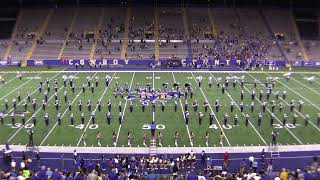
(112,32)
(141,30)
(54,35)
(81,37)
(243,33)
(28,28)
(280,22)
(172,35)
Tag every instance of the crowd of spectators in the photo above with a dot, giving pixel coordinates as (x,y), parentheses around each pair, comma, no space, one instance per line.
(186,166)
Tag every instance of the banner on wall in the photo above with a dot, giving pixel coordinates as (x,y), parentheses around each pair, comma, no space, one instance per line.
(151,62)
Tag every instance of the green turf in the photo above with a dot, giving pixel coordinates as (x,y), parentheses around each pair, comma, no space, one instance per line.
(169,121)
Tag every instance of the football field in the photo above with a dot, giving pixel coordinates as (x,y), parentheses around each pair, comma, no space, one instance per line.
(302,86)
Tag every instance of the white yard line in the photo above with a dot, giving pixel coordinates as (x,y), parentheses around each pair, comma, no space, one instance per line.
(297,94)
(288,103)
(305,86)
(31,116)
(277,118)
(30,95)
(183,114)
(212,110)
(244,115)
(18,87)
(85,129)
(48,134)
(153,114)
(6,82)
(124,110)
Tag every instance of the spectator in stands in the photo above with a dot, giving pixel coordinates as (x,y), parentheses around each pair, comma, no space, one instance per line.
(225,160)
(283,174)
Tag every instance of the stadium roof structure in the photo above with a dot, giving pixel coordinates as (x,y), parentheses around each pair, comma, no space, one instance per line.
(272,3)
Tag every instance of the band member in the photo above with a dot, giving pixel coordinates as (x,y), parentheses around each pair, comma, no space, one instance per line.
(186,106)
(211,118)
(318,120)
(284,120)
(30,132)
(13,119)
(59,119)
(300,104)
(84,138)
(274,138)
(236,119)
(160,139)
(98,136)
(186,115)
(1,118)
(195,106)
(272,117)
(129,138)
(292,104)
(231,106)
(175,106)
(82,118)
(191,138)
(99,105)
(176,138)
(259,119)
(217,105)
(108,115)
(162,106)
(306,120)
(207,138)
(46,119)
(221,138)
(120,116)
(120,107)
(130,106)
(200,114)
(241,106)
(34,120)
(144,138)
(80,105)
(93,118)
(284,95)
(252,106)
(247,119)
(114,137)
(225,119)
(206,105)
(71,119)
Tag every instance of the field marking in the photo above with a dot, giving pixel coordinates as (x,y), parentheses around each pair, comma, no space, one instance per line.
(297,93)
(48,134)
(124,110)
(244,115)
(214,114)
(31,116)
(183,114)
(6,82)
(305,86)
(294,108)
(317,77)
(276,118)
(30,95)
(287,103)
(85,129)
(153,114)
(18,87)
(166,71)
